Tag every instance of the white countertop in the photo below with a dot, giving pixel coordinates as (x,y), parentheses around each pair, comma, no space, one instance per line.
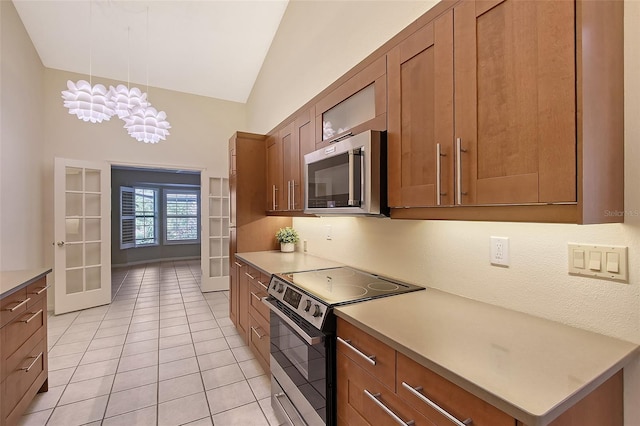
(277,262)
(531,368)
(11,281)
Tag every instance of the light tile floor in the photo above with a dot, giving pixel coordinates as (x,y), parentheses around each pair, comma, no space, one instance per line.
(162,353)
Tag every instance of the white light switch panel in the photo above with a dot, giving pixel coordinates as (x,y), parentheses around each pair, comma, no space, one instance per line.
(608,262)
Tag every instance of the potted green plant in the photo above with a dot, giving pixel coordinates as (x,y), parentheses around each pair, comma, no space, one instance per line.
(287,237)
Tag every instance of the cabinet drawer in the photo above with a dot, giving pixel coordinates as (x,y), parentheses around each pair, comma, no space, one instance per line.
(371,354)
(361,399)
(259,338)
(257,292)
(37,291)
(28,367)
(449,397)
(21,328)
(13,305)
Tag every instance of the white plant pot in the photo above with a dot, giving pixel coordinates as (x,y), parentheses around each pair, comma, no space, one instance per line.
(287,247)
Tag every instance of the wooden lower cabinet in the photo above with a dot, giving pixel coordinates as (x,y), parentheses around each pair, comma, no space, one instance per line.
(23,350)
(413,384)
(361,398)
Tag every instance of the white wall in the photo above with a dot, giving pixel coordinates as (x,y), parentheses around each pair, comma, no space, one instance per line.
(316,43)
(454,256)
(21,143)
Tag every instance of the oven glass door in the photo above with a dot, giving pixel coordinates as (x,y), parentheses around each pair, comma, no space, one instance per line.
(336,181)
(303,364)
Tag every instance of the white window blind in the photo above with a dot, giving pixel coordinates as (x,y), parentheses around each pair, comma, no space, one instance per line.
(138,217)
(182,216)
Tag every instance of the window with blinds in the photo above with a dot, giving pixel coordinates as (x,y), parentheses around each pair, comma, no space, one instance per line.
(181,216)
(138,217)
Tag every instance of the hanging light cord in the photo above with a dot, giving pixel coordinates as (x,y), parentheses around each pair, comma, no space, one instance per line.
(90,40)
(128,57)
(147,49)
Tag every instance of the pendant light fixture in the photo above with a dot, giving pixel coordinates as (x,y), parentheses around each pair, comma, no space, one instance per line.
(88,102)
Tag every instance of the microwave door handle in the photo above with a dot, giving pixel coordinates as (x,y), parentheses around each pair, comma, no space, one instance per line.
(351,201)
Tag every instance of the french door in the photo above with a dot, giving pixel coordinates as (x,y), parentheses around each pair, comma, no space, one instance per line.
(82,230)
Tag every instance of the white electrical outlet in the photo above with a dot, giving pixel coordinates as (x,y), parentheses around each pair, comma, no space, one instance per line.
(500,251)
(328,231)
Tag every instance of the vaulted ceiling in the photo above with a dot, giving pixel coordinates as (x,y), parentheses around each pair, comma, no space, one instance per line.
(212,48)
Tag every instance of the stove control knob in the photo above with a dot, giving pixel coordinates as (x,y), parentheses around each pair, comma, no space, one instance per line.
(307,305)
(316,311)
(280,287)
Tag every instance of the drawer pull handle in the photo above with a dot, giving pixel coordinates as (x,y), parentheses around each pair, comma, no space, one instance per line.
(262,284)
(250,276)
(371,359)
(238,264)
(42,290)
(260,336)
(19,305)
(26,369)
(256,296)
(416,391)
(27,321)
(394,416)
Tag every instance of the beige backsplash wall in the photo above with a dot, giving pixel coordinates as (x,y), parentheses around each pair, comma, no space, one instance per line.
(454,256)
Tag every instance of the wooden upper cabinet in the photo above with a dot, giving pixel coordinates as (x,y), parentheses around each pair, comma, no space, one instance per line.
(275,179)
(515,97)
(420,117)
(513,105)
(304,132)
(358,104)
(285,164)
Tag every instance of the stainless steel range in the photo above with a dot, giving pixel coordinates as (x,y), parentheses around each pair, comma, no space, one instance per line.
(303,352)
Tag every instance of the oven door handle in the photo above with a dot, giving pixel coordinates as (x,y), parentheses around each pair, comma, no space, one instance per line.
(311,340)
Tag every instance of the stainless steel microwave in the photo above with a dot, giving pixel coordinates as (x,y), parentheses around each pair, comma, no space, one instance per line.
(348,177)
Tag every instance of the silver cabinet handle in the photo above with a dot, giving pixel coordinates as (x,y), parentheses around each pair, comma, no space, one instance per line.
(262,284)
(43,289)
(459,151)
(249,275)
(240,265)
(288,195)
(293,195)
(26,369)
(19,305)
(439,156)
(256,296)
(394,416)
(273,197)
(27,321)
(260,336)
(416,391)
(371,359)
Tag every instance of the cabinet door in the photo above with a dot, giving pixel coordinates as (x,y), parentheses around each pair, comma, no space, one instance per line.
(275,191)
(420,135)
(243,302)
(290,165)
(362,400)
(515,101)
(234,277)
(303,127)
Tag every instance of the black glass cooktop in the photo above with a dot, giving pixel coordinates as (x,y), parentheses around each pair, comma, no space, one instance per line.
(343,285)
